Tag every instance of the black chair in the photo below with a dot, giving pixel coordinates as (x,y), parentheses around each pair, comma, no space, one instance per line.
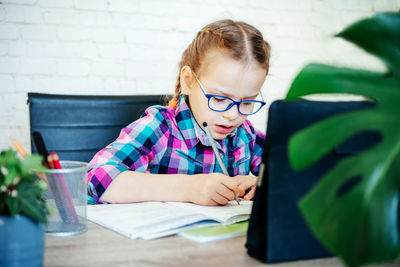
(77,126)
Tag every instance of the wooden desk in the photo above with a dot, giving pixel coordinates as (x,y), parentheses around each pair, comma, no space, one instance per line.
(102,247)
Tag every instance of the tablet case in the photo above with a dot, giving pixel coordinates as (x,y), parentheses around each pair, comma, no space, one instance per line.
(277,231)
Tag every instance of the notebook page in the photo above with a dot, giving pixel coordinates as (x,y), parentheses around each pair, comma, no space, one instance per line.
(230,213)
(197,224)
(141,219)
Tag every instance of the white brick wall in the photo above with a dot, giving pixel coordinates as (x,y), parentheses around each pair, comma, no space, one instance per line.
(133,46)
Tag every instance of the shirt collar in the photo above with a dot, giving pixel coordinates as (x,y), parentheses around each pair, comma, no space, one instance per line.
(186,123)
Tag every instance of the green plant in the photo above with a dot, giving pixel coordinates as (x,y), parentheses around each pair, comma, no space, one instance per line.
(21,189)
(362,225)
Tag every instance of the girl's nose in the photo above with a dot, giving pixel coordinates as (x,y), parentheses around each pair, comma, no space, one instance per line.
(231,114)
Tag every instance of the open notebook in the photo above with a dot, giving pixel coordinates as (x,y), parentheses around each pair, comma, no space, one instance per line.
(149,220)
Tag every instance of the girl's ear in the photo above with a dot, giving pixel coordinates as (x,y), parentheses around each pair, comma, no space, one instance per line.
(186,78)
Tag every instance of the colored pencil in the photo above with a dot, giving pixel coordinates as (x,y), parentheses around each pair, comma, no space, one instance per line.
(56,161)
(23,154)
(67,200)
(17,146)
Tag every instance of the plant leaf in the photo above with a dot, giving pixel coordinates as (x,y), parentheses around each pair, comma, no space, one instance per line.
(383,28)
(30,202)
(318,79)
(303,153)
(33,163)
(361,224)
(12,204)
(22,189)
(32,210)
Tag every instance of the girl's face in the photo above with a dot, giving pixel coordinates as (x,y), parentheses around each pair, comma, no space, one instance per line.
(220,74)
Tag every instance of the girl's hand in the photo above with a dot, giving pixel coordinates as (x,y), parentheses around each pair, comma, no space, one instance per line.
(246,183)
(212,189)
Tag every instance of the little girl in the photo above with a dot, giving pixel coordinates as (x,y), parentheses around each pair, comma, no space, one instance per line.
(166,155)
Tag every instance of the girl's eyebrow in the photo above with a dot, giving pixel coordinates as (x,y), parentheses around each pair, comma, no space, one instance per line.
(219,92)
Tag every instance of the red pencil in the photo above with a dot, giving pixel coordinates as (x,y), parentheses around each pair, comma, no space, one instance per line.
(68,205)
(56,161)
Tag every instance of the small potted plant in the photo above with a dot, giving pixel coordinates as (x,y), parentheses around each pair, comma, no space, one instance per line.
(23,210)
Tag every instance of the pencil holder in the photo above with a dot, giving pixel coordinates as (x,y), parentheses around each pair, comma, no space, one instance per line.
(67,199)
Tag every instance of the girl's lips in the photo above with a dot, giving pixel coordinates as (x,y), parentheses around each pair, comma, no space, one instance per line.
(223,129)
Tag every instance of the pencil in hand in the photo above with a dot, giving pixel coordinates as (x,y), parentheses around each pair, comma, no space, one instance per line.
(217,155)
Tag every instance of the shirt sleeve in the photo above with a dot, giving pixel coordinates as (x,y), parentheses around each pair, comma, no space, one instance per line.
(133,150)
(257,151)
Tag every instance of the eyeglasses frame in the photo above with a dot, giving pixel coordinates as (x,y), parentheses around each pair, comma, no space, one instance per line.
(234,102)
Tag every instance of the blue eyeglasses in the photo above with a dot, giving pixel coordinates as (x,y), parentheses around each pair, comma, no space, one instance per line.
(221,103)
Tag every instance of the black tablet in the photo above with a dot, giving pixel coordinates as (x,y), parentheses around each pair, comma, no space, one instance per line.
(277,231)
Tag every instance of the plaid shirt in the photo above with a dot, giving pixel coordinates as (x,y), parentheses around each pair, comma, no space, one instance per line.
(169,141)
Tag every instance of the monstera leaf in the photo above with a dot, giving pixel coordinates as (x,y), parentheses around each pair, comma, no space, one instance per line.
(362,224)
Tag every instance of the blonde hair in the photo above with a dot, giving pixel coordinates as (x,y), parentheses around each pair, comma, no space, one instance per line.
(241,40)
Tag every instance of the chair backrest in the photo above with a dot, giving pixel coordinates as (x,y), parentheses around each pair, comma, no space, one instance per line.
(77,126)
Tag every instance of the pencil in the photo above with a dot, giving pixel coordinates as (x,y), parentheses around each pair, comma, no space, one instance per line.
(50,162)
(61,193)
(17,146)
(67,199)
(56,161)
(23,154)
(217,155)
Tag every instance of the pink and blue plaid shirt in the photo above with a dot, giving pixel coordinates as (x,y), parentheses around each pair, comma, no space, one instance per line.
(169,141)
